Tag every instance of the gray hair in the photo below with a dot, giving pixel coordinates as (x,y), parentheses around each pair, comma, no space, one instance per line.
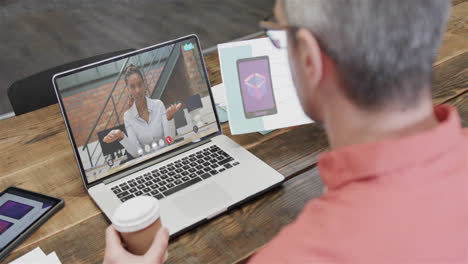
(383,49)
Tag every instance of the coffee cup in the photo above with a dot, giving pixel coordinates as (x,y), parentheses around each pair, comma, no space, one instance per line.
(138,221)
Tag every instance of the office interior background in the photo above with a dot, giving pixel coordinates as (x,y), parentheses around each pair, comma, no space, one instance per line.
(39,35)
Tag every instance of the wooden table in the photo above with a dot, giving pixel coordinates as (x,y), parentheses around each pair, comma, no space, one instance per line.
(36,155)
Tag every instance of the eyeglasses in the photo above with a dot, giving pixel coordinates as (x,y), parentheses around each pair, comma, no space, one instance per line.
(275,32)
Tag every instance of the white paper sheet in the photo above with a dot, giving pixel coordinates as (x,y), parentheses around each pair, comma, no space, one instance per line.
(53,259)
(289,110)
(30,257)
(37,256)
(219,94)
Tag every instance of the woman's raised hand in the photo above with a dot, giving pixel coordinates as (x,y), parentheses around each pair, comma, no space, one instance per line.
(114,135)
(172,110)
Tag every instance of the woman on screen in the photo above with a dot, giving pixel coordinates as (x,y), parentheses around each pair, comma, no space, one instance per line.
(146,120)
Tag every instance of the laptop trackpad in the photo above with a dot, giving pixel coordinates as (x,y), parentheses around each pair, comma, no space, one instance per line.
(202,200)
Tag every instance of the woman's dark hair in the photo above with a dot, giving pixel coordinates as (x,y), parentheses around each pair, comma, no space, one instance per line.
(131,69)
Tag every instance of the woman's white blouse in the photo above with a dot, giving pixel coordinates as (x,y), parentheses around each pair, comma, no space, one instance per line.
(141,135)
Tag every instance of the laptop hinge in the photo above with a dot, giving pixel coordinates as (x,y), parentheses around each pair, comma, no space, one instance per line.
(153,162)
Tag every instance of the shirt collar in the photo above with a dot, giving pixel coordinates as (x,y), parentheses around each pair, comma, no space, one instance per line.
(352,163)
(135,111)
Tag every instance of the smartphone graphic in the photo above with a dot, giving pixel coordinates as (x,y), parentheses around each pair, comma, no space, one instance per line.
(256,88)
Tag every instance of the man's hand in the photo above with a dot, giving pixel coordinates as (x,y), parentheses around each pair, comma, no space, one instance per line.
(115,253)
(172,110)
(114,135)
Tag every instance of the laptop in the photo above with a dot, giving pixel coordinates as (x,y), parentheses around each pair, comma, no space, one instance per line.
(126,143)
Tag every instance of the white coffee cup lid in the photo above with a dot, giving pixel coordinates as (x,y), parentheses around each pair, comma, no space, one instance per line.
(136,214)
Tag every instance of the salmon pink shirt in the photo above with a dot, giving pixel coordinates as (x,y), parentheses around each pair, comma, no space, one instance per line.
(401,200)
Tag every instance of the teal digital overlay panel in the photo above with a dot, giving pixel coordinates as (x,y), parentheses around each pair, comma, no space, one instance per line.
(238,123)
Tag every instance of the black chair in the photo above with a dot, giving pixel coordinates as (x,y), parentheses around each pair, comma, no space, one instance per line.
(113,150)
(37,91)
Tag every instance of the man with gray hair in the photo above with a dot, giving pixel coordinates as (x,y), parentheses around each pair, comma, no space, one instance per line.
(397,174)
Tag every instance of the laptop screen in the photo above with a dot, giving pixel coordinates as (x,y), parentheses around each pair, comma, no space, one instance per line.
(133,108)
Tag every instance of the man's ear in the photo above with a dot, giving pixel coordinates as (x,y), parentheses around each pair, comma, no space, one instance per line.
(309,56)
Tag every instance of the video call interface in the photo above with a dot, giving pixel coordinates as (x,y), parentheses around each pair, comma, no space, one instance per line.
(129,110)
(17,212)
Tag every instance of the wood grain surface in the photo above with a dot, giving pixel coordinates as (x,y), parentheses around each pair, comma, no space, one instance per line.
(461,103)
(36,155)
(455,39)
(450,79)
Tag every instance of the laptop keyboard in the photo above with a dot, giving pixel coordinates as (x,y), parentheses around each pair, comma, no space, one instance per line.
(177,175)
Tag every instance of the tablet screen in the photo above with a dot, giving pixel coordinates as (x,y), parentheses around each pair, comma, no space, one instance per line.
(18,211)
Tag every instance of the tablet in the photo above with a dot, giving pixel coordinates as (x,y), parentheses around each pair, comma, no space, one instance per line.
(21,213)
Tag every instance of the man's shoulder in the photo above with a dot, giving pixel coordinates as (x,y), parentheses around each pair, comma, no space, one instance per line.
(465,135)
